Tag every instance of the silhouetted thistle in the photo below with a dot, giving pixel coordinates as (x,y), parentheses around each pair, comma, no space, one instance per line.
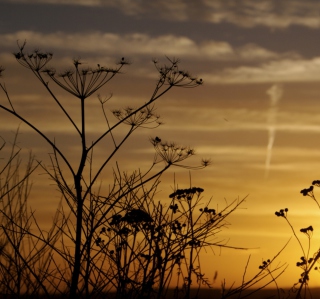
(116,219)
(307,191)
(307,229)
(282,213)
(174,208)
(265,264)
(310,191)
(302,263)
(186,193)
(137,216)
(316,183)
(194,243)
(124,231)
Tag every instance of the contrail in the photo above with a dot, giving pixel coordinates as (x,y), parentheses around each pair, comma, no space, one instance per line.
(275,92)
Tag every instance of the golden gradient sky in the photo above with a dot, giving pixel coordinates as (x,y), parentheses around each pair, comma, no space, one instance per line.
(257,116)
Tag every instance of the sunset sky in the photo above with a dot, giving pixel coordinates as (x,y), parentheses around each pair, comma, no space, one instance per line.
(257,116)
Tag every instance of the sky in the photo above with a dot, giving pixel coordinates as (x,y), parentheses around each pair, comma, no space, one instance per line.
(257,115)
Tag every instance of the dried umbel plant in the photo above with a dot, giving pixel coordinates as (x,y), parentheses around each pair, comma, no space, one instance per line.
(308,262)
(85,209)
(120,238)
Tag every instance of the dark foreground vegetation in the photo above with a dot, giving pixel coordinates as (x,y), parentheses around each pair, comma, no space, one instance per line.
(119,241)
(206,293)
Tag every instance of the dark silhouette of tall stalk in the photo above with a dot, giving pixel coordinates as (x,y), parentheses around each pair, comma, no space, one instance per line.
(82,82)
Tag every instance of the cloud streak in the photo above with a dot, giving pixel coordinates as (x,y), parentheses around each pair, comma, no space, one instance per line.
(275,92)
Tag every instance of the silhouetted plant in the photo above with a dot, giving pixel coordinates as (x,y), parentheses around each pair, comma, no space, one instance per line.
(89,209)
(121,239)
(151,241)
(25,261)
(308,260)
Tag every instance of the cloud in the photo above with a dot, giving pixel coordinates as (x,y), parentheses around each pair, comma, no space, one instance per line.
(274,14)
(213,120)
(99,43)
(279,70)
(59,2)
(247,13)
(109,43)
(254,52)
(246,64)
(275,92)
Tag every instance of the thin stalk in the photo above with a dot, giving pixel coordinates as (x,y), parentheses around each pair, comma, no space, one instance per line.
(80,204)
(191,250)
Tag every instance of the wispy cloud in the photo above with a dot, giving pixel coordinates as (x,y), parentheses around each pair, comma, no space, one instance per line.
(249,63)
(275,93)
(109,43)
(243,120)
(280,70)
(247,13)
(99,43)
(274,14)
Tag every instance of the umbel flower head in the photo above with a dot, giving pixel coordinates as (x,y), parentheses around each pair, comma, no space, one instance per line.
(79,81)
(83,82)
(141,118)
(173,154)
(173,76)
(35,60)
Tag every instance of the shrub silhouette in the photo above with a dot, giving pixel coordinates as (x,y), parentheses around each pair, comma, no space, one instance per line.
(122,240)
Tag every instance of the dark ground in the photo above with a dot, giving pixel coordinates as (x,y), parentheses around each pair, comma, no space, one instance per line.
(216,294)
(262,294)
